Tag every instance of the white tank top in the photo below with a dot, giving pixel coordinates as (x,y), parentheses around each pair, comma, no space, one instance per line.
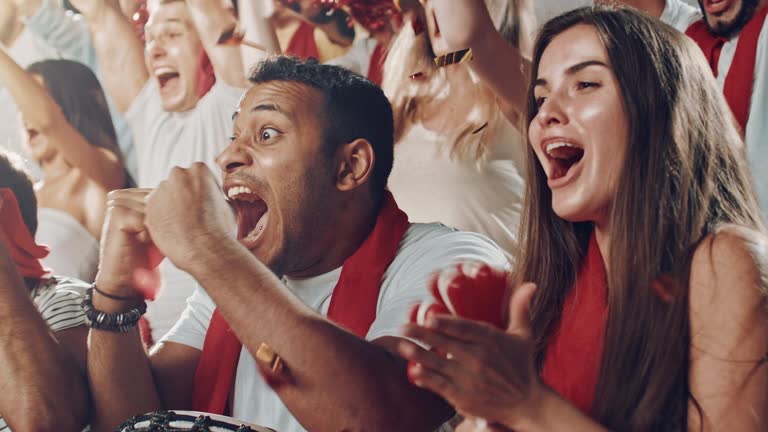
(74,251)
(484,197)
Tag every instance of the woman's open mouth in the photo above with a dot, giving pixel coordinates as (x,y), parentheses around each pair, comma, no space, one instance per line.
(252,214)
(564,160)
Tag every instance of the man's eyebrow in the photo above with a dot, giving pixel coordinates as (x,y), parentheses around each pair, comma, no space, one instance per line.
(264,107)
(572,70)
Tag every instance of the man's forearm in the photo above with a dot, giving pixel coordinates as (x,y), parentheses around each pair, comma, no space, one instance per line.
(119,373)
(211,20)
(41,387)
(120,54)
(336,380)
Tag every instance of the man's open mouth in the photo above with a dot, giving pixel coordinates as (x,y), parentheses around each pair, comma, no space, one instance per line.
(165,76)
(252,214)
(563,156)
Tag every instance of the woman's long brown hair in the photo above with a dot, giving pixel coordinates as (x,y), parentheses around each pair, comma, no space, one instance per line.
(684,177)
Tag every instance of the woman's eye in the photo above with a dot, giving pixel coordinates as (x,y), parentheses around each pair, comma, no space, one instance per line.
(586,84)
(269,133)
(540,101)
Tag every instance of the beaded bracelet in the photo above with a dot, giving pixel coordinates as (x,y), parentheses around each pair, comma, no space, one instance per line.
(117,323)
(115,297)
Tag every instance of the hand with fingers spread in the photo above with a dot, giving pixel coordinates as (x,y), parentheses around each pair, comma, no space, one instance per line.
(128,257)
(483,371)
(188,216)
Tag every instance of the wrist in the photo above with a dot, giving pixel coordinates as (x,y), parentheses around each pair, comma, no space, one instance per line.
(542,404)
(211,254)
(113,289)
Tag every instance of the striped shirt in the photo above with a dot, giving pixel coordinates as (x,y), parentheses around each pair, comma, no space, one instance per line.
(58,299)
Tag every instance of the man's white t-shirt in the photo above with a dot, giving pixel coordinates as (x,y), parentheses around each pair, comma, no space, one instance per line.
(358,57)
(163,141)
(424,249)
(167,139)
(681,16)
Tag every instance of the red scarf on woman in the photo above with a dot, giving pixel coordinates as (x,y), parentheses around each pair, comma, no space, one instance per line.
(20,243)
(353,306)
(572,360)
(741,75)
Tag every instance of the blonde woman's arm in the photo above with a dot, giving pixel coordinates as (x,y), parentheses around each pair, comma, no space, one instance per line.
(503,67)
(42,114)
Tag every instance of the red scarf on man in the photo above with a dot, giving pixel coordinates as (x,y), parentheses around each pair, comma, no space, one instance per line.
(20,243)
(376,64)
(738,82)
(303,44)
(353,306)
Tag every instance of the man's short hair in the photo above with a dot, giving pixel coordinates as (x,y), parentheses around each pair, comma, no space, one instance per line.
(354,107)
(14,176)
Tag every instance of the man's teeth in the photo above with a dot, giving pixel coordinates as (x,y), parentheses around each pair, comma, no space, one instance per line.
(238,190)
(164,71)
(556,145)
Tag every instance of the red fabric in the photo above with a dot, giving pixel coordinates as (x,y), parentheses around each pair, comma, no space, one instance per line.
(206,77)
(20,243)
(572,360)
(303,44)
(353,306)
(740,78)
(376,64)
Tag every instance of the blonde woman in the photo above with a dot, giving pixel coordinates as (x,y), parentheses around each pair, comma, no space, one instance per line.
(459,151)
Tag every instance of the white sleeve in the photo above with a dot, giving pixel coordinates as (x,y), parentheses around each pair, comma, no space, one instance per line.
(358,57)
(680,15)
(191,328)
(409,286)
(61,305)
(221,98)
(756,134)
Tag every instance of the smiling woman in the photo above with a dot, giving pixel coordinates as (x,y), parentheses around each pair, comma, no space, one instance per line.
(643,237)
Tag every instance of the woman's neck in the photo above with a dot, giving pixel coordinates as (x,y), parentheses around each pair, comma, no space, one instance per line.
(603,243)
(54,168)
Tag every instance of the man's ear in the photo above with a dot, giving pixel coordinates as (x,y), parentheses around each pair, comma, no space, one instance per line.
(356,161)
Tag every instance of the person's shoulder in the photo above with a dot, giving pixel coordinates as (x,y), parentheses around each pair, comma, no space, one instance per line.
(59,301)
(221,97)
(61,286)
(733,261)
(435,241)
(680,14)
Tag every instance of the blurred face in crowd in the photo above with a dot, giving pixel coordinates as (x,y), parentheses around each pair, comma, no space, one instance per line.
(35,143)
(172,54)
(727,17)
(279,176)
(579,134)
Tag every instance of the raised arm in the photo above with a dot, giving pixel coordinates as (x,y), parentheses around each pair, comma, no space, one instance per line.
(8,17)
(336,381)
(729,333)
(211,20)
(504,68)
(117,360)
(41,385)
(119,50)
(42,114)
(65,32)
